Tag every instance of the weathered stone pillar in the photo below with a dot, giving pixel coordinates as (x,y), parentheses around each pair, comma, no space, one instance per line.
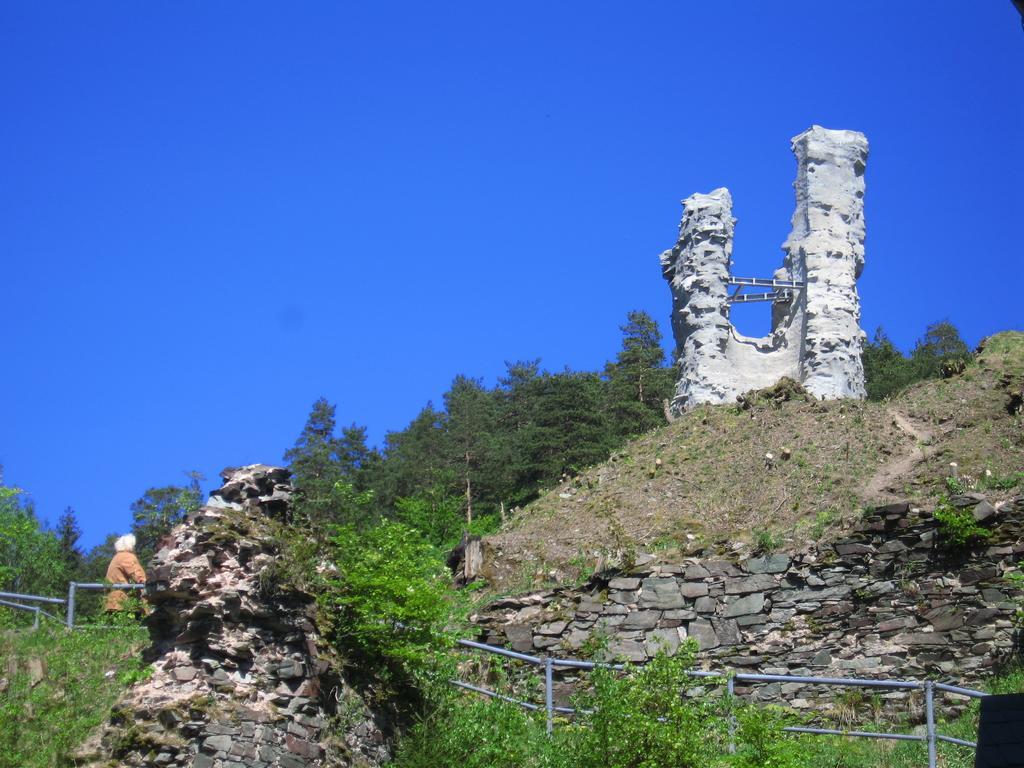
(826,248)
(697,269)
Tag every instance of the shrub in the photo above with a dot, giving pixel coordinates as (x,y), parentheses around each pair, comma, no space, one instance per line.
(957,527)
(386,602)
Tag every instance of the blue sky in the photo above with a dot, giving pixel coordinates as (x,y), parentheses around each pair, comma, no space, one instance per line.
(213,213)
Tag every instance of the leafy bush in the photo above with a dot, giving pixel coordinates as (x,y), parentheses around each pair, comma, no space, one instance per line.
(386,601)
(640,719)
(31,559)
(957,527)
(475,733)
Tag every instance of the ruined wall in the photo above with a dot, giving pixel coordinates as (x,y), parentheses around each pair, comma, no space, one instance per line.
(815,337)
(884,602)
(240,676)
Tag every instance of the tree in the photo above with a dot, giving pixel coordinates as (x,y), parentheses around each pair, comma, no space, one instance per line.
(435,513)
(30,556)
(941,345)
(886,370)
(469,430)
(638,381)
(158,510)
(320,460)
(68,534)
(414,458)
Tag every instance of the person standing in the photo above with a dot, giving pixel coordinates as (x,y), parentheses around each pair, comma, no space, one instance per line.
(124,568)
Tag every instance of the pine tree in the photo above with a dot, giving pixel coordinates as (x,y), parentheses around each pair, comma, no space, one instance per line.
(638,381)
(469,427)
(321,463)
(68,534)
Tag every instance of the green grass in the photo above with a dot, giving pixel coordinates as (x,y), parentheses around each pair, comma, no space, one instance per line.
(469,732)
(43,719)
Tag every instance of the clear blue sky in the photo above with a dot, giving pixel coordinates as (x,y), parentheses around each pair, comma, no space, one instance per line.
(213,213)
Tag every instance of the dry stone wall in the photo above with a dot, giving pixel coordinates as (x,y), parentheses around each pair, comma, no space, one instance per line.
(240,676)
(888,601)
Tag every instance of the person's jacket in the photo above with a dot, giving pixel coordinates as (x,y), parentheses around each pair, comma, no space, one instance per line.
(125,568)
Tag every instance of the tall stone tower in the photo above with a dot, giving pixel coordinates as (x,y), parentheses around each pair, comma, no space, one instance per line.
(815,337)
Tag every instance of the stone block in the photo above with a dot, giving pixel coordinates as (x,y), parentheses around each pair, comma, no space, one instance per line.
(641,620)
(692,589)
(624,583)
(745,605)
(768,564)
(704,633)
(666,640)
(756,583)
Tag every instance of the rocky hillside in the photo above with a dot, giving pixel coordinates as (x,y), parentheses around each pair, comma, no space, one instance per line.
(777,469)
(894,598)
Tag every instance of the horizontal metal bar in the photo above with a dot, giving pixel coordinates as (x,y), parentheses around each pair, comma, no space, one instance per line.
(109,586)
(494,695)
(769,282)
(33,598)
(500,651)
(702,673)
(954,740)
(9,604)
(961,691)
(577,664)
(859,734)
(749,298)
(850,681)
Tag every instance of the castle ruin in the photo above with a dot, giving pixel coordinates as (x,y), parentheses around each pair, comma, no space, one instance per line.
(815,334)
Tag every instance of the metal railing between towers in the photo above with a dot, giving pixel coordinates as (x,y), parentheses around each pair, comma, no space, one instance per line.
(931,737)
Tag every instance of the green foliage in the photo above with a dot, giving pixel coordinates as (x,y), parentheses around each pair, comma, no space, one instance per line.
(42,720)
(496,448)
(638,381)
(160,509)
(320,460)
(766,541)
(474,733)
(386,602)
(887,370)
(957,527)
(640,719)
(31,558)
(761,742)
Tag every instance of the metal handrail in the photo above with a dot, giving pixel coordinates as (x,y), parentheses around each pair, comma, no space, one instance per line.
(74,586)
(32,598)
(33,608)
(931,737)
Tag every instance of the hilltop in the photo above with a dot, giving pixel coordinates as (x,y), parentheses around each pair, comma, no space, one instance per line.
(776,470)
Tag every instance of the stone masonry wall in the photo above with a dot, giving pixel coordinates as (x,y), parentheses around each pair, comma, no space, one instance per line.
(240,676)
(885,602)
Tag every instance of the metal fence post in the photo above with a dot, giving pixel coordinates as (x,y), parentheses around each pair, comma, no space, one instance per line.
(549,695)
(35,618)
(929,707)
(730,692)
(71,605)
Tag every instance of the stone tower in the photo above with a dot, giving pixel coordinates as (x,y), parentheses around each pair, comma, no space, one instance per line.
(815,334)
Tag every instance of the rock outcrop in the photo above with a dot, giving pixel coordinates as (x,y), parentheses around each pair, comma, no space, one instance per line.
(887,601)
(240,675)
(816,337)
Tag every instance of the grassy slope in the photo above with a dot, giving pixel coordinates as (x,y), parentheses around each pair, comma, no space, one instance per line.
(712,483)
(43,719)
